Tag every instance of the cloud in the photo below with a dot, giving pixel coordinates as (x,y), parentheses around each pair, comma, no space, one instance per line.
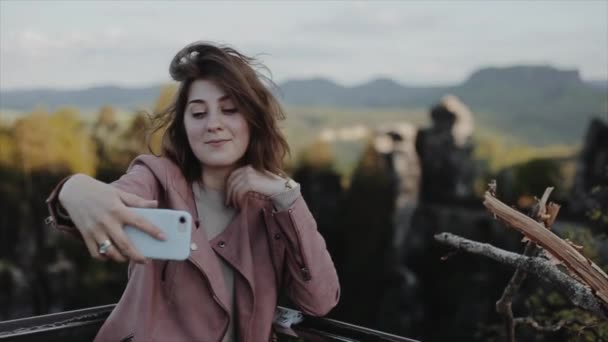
(367,20)
(37,44)
(417,43)
(32,58)
(111,42)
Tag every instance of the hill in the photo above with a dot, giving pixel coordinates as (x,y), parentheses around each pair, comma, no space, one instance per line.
(539,104)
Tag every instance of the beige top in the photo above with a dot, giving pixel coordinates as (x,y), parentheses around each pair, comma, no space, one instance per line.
(215,217)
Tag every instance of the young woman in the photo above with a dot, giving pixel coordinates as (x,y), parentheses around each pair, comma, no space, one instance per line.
(253,235)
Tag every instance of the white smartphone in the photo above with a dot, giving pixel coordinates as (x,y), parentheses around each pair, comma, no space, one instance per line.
(175,224)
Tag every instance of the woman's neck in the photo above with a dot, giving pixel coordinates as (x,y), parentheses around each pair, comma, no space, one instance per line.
(215,178)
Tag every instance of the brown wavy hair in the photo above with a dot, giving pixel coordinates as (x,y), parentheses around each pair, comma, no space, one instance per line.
(240,77)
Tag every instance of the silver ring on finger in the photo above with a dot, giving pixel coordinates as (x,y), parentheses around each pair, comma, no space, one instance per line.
(104,246)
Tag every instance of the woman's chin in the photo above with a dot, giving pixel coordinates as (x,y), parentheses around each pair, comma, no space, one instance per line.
(218,163)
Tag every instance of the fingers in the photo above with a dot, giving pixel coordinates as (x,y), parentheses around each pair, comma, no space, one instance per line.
(231,189)
(235,179)
(112,252)
(111,229)
(239,189)
(100,211)
(131,200)
(240,192)
(92,246)
(235,174)
(132,219)
(94,239)
(246,179)
(233,202)
(229,185)
(121,242)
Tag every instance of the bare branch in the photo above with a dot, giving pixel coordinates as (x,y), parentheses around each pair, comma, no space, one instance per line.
(504,304)
(580,295)
(492,187)
(585,269)
(534,324)
(552,210)
(543,201)
(562,323)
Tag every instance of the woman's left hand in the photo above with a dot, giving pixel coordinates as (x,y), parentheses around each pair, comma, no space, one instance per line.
(245,179)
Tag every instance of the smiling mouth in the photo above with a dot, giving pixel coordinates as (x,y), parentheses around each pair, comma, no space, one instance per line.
(218,142)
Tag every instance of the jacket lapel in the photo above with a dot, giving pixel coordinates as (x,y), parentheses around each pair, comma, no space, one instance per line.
(234,245)
(236,251)
(203,257)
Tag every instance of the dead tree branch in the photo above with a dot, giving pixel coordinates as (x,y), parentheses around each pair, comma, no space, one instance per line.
(504,304)
(534,324)
(581,267)
(580,295)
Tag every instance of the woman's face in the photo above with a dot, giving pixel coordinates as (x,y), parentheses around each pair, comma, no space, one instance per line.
(217,132)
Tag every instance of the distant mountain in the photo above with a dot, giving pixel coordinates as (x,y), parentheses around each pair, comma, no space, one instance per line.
(540,103)
(599,84)
(380,92)
(316,91)
(537,76)
(90,98)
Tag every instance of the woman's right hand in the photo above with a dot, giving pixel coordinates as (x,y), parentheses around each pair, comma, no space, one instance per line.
(100,211)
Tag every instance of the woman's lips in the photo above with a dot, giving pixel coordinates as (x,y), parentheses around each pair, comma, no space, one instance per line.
(216,143)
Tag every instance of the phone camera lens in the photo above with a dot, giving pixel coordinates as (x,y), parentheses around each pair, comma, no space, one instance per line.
(182,219)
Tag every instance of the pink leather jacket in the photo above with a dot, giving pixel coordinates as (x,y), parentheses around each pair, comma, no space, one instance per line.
(185,300)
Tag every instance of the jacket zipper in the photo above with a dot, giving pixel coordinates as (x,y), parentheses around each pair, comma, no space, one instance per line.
(215,297)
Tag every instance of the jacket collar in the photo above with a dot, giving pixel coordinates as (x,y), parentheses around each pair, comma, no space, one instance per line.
(233,244)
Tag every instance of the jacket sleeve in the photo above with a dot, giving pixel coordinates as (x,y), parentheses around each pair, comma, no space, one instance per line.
(311,278)
(138,180)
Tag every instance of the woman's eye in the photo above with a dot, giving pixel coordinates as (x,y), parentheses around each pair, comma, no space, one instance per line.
(230,110)
(198,114)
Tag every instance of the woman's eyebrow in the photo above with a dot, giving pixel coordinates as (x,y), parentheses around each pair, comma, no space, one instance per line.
(222,98)
(197,101)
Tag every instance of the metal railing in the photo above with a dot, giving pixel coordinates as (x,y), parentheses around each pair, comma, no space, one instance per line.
(82,325)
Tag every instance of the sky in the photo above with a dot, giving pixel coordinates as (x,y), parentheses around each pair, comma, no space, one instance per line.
(76,44)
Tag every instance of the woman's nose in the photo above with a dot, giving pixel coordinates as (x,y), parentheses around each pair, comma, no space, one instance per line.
(214,121)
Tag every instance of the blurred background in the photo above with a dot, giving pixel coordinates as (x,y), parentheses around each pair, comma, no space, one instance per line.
(405,108)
